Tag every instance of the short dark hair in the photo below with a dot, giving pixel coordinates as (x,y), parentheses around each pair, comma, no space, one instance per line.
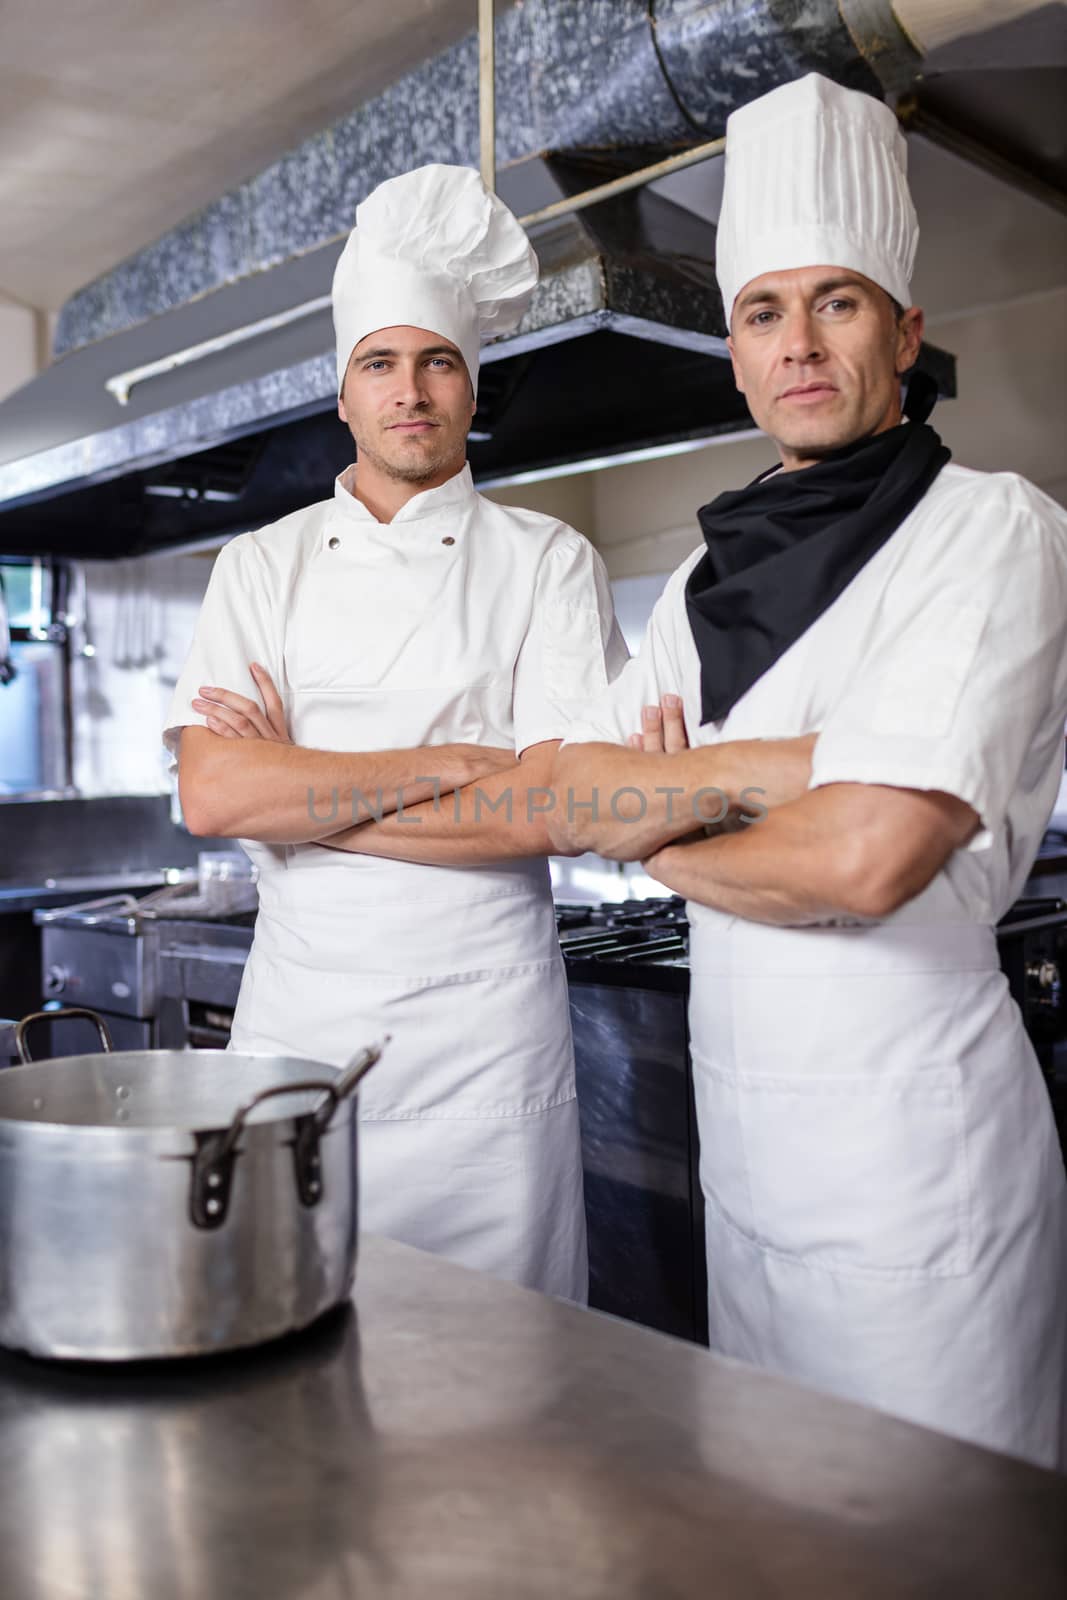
(898,309)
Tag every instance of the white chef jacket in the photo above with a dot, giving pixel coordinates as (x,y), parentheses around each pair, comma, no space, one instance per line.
(459,621)
(885,1194)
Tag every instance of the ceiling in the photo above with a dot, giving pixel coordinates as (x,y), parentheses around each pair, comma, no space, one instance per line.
(118,118)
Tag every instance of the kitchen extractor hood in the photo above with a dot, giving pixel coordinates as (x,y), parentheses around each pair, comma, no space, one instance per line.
(194,390)
(622,349)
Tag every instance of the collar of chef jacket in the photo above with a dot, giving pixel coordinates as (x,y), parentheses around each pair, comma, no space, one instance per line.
(430,503)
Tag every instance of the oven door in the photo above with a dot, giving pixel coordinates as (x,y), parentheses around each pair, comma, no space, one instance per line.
(198,989)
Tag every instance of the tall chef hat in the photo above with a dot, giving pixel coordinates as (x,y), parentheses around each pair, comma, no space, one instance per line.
(815,175)
(432,249)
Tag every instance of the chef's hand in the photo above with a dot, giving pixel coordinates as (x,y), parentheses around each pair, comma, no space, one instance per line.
(234,716)
(476,761)
(662,728)
(663,863)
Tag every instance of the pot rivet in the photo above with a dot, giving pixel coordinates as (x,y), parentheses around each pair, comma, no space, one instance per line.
(213,1180)
(122,1115)
(122,1093)
(213,1207)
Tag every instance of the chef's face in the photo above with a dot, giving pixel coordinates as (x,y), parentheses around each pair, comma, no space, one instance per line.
(408,403)
(818,353)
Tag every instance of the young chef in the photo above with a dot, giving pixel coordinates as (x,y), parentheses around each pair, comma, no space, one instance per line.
(443,638)
(885,1194)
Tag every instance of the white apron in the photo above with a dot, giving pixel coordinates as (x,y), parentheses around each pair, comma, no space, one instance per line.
(460,621)
(469,1137)
(883,1183)
(885,1197)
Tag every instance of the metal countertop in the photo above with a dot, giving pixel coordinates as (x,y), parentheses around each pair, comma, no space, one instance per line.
(15,897)
(459,1438)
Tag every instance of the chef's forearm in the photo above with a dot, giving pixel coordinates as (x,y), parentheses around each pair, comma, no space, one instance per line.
(854,849)
(786,868)
(626,803)
(286,794)
(441,834)
(501,818)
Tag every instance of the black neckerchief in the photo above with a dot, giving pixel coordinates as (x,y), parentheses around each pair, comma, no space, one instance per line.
(781,550)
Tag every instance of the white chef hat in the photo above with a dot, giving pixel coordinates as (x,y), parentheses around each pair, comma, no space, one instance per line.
(432,249)
(815,175)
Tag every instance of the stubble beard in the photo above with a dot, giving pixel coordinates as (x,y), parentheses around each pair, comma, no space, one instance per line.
(847,433)
(835,434)
(409,472)
(815,449)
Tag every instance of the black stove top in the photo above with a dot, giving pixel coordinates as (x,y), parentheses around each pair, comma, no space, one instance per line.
(626,941)
(645,943)
(660,911)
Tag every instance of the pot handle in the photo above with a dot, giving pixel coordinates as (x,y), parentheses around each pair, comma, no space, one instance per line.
(228,1137)
(334,1092)
(213,1163)
(23,1027)
(348,1082)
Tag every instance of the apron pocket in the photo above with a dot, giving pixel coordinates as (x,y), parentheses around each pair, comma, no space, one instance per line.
(863,1175)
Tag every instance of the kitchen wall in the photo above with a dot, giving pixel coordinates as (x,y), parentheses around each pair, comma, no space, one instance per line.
(25,343)
(1012,412)
(571,498)
(18,347)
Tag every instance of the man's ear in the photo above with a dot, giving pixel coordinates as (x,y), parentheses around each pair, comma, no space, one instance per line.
(341,412)
(909,338)
(738,380)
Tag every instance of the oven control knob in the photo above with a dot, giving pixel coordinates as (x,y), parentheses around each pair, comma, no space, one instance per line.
(1044,984)
(56,980)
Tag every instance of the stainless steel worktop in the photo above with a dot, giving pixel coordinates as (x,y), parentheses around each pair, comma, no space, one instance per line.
(61,891)
(457,1437)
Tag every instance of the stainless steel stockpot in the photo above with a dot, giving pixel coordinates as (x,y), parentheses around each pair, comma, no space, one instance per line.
(160,1203)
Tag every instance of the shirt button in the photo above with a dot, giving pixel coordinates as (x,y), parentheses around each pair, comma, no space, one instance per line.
(448,539)
(335,543)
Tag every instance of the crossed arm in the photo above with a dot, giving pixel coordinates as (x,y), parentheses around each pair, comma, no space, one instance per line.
(732,826)
(500,817)
(854,849)
(800,856)
(242,777)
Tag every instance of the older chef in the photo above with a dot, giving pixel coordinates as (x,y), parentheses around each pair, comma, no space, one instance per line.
(885,1194)
(422,640)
